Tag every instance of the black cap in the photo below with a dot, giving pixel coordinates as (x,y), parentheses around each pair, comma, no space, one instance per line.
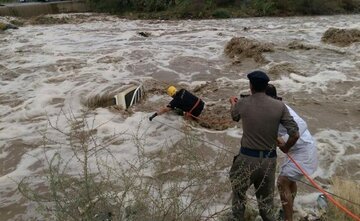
(259,80)
(258,76)
(271,91)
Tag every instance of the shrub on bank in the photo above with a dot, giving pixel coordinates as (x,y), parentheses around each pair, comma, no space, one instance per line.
(84,180)
(347,189)
(6,1)
(221,13)
(219,8)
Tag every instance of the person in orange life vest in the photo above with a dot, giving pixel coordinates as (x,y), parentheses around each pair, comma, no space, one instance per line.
(184,101)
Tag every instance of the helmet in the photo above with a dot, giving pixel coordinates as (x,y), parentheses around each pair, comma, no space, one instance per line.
(171,91)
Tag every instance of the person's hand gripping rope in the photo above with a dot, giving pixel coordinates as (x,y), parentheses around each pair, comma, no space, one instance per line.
(233,100)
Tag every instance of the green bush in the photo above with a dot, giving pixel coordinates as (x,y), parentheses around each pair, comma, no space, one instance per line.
(309,7)
(192,9)
(351,5)
(224,2)
(221,13)
(214,8)
(150,5)
(264,7)
(111,6)
(5,1)
(320,7)
(131,5)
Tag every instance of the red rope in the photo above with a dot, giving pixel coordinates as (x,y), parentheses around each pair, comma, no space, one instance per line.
(189,114)
(336,203)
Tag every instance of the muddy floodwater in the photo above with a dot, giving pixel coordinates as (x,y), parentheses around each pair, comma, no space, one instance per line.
(55,68)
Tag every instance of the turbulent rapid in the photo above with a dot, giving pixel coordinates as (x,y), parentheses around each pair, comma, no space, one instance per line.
(50,72)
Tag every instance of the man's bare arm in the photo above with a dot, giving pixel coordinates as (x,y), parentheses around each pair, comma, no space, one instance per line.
(233,100)
(285,147)
(163,110)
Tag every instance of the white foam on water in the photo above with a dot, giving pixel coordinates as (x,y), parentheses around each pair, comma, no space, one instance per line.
(321,80)
(332,146)
(60,65)
(234,132)
(156,98)
(22,169)
(305,204)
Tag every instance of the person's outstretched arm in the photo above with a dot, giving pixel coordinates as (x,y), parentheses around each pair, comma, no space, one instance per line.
(159,112)
(233,109)
(163,110)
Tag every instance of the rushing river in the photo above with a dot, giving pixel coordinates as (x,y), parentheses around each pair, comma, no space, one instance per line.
(46,69)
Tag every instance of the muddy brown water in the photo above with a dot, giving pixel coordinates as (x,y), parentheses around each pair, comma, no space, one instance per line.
(46,65)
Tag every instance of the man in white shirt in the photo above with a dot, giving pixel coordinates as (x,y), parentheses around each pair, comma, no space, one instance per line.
(304,152)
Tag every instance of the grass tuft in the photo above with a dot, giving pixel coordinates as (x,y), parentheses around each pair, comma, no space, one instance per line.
(349,190)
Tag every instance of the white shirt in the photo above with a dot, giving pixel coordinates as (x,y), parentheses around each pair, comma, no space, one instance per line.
(305,136)
(304,152)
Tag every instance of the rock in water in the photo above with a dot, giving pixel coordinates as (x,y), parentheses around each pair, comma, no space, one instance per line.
(4,26)
(322,203)
(11,26)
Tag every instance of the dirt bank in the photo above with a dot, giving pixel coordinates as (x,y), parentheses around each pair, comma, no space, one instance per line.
(341,37)
(239,48)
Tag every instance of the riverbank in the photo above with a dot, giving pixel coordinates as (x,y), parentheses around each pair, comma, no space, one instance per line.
(183,9)
(32,9)
(200,9)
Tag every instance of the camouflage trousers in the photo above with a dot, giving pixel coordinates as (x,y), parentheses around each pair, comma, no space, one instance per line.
(260,172)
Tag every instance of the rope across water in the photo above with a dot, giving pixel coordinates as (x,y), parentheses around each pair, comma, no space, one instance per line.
(313,183)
